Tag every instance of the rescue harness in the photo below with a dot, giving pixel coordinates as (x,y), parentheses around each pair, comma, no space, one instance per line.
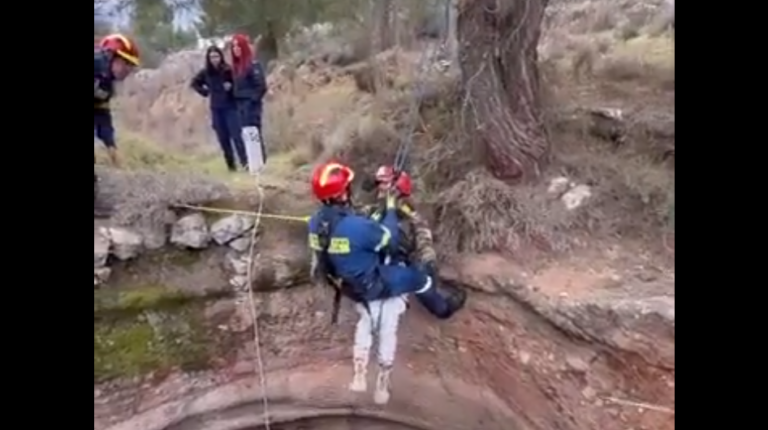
(327,224)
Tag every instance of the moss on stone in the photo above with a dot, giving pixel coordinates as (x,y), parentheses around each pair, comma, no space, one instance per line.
(184,257)
(138,298)
(151,342)
(123,350)
(173,257)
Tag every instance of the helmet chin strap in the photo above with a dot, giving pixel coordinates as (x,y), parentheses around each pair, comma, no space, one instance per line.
(340,202)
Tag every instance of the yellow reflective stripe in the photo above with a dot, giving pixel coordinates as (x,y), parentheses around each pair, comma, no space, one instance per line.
(339,245)
(384,239)
(314,242)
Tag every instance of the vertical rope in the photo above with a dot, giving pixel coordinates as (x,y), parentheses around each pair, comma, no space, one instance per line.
(259,364)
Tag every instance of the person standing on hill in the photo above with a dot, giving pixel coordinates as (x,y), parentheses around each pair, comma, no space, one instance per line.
(216,82)
(250,86)
(114,59)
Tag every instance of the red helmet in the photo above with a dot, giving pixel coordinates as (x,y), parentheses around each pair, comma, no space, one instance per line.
(403,184)
(331,180)
(121,46)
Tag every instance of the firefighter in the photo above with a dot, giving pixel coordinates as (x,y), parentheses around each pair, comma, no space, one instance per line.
(113,60)
(350,246)
(355,253)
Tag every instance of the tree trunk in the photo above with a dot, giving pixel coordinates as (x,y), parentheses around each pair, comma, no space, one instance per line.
(452,42)
(383,36)
(501,112)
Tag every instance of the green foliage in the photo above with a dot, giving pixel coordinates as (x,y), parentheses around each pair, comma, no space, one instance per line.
(152,25)
(251,16)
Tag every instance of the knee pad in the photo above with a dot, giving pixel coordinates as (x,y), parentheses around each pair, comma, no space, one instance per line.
(427,286)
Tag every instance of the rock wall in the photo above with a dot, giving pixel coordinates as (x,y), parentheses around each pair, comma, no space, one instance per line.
(515,359)
(190,232)
(519,357)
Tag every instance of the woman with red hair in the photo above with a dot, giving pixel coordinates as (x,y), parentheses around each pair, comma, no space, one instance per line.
(250,86)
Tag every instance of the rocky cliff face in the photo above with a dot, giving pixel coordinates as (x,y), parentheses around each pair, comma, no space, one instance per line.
(174,346)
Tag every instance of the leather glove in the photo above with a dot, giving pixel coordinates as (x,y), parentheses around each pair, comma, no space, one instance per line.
(391,200)
(405,210)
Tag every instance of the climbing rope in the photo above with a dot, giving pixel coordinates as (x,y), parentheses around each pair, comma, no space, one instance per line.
(259,365)
(259,214)
(401,156)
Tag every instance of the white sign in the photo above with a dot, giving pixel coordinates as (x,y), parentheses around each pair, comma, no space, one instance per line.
(254,149)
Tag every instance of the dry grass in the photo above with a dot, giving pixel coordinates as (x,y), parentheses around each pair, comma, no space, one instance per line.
(317,112)
(138,153)
(480,213)
(642,59)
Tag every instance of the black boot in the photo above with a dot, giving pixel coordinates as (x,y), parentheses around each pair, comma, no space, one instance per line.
(443,302)
(455,297)
(430,269)
(456,300)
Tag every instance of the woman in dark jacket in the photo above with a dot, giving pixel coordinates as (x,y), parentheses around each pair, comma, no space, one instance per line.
(250,86)
(216,81)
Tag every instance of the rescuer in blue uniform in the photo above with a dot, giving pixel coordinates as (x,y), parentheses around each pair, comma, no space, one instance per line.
(354,250)
(113,60)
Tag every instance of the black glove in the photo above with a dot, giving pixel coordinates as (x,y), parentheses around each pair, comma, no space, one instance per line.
(430,269)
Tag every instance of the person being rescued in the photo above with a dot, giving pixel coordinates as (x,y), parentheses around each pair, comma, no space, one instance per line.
(416,247)
(250,86)
(416,243)
(359,256)
(114,59)
(215,81)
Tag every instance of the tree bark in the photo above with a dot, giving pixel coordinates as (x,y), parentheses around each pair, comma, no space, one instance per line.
(383,36)
(452,42)
(501,111)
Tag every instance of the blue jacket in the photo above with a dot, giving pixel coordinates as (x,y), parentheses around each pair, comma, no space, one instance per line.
(103,81)
(356,246)
(209,82)
(249,92)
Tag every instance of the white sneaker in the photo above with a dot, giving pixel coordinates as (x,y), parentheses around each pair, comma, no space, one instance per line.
(359,383)
(381,394)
